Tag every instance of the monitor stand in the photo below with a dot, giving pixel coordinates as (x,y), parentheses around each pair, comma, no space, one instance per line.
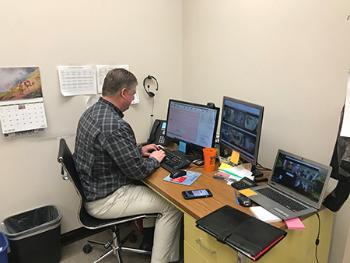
(193,152)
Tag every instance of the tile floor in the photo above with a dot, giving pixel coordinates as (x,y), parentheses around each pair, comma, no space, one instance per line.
(73,253)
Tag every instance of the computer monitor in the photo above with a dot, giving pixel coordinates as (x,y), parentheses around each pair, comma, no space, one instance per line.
(241,128)
(192,123)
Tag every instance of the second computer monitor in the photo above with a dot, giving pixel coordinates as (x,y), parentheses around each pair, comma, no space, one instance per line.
(192,123)
(241,128)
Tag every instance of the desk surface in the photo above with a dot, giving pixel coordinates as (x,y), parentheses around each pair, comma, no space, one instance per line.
(223,194)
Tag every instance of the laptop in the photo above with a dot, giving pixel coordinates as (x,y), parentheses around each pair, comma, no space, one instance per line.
(296,187)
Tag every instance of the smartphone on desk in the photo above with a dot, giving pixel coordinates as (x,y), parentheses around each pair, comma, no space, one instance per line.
(193,194)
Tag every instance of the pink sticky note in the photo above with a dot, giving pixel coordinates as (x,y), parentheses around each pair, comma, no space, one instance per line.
(294,223)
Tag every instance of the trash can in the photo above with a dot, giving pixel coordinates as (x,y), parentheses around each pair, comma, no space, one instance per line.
(34,236)
(3,248)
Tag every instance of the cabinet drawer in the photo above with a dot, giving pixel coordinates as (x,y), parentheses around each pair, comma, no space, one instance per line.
(206,245)
(192,255)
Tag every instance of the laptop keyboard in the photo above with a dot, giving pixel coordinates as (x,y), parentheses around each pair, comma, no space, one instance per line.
(282,199)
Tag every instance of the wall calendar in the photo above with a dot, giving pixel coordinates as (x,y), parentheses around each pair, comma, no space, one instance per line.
(21,100)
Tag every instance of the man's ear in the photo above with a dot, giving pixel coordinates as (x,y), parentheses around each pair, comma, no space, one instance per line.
(123,92)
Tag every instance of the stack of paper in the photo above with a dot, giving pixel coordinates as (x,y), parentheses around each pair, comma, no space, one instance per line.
(264,215)
(235,172)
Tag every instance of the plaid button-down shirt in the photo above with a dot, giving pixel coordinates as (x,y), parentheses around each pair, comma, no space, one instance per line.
(106,154)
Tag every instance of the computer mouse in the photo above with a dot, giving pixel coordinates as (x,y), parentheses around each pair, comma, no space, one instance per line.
(177,173)
(244,201)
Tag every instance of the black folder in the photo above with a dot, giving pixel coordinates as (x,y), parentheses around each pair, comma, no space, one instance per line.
(249,235)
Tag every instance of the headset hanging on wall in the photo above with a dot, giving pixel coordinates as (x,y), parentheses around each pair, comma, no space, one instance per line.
(147,86)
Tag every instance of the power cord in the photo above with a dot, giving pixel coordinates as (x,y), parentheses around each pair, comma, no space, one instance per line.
(152,115)
(317,241)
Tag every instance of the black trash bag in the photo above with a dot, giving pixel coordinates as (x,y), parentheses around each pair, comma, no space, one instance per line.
(31,220)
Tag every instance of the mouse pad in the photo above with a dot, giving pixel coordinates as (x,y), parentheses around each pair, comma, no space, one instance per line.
(187,179)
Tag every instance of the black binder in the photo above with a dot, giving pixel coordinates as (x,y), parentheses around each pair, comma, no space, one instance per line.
(245,233)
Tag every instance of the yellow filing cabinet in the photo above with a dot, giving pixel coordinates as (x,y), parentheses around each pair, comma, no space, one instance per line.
(297,246)
(201,247)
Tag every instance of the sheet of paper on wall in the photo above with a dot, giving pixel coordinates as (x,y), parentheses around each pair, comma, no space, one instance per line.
(77,80)
(21,100)
(102,71)
(136,98)
(345,129)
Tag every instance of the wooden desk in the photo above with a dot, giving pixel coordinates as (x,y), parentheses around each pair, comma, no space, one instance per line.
(298,246)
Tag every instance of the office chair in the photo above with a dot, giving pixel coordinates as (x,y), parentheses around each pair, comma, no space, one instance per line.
(115,245)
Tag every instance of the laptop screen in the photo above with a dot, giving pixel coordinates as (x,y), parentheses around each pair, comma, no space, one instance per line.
(303,176)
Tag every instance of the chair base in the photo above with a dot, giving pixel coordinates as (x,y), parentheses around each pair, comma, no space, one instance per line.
(115,247)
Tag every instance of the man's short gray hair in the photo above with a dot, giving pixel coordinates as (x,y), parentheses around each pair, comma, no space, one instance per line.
(116,79)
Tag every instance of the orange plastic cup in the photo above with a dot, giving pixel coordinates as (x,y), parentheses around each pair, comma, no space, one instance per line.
(209,159)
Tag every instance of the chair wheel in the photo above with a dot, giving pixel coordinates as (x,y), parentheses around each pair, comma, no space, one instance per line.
(87,248)
(132,238)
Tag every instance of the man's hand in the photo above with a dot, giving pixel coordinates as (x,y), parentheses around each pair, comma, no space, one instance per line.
(147,149)
(158,155)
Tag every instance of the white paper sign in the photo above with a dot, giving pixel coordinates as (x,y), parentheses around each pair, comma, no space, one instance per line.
(77,80)
(102,71)
(345,129)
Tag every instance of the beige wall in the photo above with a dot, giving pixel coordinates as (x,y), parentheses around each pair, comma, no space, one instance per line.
(290,56)
(146,35)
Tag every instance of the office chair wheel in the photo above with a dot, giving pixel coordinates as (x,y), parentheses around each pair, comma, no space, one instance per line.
(87,248)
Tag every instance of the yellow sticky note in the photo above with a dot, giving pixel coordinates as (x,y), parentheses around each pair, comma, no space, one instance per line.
(234,157)
(224,166)
(247,192)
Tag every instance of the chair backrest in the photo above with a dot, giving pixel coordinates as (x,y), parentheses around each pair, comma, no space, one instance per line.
(65,158)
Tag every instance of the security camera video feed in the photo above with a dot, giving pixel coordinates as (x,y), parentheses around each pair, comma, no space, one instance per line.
(240,127)
(299,176)
(242,140)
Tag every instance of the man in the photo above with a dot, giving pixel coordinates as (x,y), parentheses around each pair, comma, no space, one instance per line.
(111,165)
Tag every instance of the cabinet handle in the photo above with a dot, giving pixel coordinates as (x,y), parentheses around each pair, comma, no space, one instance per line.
(199,242)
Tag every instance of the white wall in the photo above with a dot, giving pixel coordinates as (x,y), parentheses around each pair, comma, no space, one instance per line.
(290,56)
(146,35)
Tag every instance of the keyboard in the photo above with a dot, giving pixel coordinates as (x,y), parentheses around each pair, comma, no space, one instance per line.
(243,184)
(174,161)
(282,199)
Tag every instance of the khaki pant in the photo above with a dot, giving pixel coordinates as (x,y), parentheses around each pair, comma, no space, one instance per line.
(137,199)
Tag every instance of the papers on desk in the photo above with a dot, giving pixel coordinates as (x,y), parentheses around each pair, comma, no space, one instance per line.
(264,215)
(188,179)
(235,172)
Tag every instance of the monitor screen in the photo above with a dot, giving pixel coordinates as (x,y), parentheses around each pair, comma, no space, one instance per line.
(298,174)
(241,127)
(192,123)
